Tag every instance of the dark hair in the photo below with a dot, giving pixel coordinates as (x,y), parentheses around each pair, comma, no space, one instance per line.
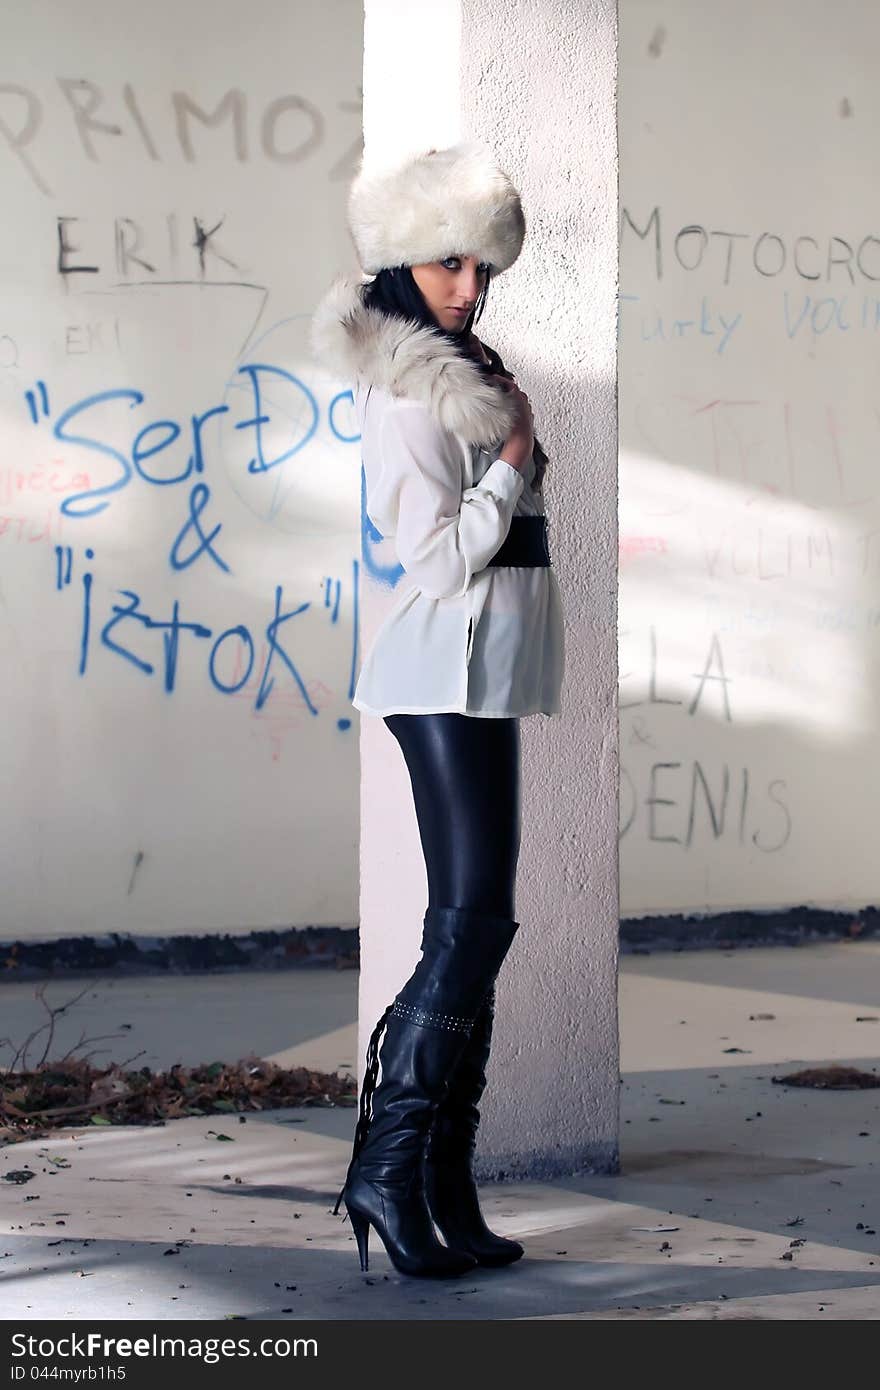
(394,291)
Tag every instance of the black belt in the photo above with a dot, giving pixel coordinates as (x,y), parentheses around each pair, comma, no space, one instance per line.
(525,543)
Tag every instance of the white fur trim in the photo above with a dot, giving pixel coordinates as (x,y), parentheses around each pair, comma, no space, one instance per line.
(406,359)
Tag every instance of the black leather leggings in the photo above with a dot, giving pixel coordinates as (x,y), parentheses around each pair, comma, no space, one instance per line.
(465,775)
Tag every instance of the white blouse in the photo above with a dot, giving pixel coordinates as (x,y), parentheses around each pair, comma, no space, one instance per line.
(464,636)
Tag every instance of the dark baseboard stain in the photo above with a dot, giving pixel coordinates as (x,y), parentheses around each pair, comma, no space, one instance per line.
(793,926)
(122,954)
(311,947)
(570,1162)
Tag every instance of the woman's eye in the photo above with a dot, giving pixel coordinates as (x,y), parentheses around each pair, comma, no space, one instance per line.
(482,268)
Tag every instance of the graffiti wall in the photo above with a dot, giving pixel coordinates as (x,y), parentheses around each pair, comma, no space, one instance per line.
(179,493)
(749,427)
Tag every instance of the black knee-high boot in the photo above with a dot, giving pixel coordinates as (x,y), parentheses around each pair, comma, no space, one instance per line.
(426,1029)
(449,1180)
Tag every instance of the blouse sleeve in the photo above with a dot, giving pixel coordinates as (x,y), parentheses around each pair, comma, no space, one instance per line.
(444,534)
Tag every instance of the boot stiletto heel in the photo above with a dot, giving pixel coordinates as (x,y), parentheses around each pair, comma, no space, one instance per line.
(361,1227)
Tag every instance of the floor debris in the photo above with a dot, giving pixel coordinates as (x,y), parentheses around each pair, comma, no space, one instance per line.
(833,1078)
(35,1102)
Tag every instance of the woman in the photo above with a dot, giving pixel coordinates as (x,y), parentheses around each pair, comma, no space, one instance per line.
(453,473)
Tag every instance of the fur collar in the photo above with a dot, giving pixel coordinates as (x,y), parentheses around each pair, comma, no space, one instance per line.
(351,340)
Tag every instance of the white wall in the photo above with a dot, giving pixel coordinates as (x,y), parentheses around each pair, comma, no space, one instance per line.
(137,795)
(749,508)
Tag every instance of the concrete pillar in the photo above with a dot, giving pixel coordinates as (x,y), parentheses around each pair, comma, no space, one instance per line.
(536,81)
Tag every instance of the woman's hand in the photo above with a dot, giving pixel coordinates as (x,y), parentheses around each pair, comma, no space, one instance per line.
(518,446)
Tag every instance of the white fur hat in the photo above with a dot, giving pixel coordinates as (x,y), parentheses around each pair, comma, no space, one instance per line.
(450,202)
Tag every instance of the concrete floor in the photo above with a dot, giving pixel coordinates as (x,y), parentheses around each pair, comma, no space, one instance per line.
(169,1222)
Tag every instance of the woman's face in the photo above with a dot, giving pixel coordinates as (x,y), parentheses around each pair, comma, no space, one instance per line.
(451,284)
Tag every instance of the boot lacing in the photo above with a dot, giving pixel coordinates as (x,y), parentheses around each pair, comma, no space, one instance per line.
(371,1074)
